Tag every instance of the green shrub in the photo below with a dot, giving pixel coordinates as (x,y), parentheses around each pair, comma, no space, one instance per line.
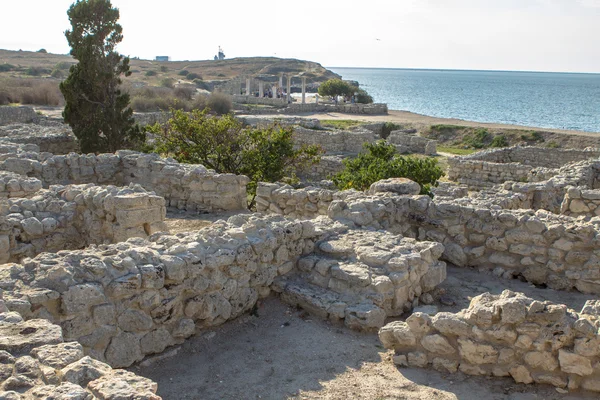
(200,84)
(499,141)
(63,66)
(477,139)
(388,127)
(7,67)
(552,145)
(363,97)
(532,136)
(381,162)
(36,71)
(42,51)
(150,73)
(163,68)
(57,73)
(192,75)
(223,144)
(184,92)
(221,75)
(219,103)
(168,83)
(183,72)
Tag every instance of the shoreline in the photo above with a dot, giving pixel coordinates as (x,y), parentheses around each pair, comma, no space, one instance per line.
(420,120)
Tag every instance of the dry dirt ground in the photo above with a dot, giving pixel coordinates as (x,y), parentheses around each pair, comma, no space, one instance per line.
(284,353)
(183,221)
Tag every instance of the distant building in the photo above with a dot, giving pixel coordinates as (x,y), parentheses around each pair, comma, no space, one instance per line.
(162,58)
(221,55)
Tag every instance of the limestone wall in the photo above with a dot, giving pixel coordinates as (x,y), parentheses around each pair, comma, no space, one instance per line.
(579,202)
(14,185)
(371,109)
(535,156)
(327,166)
(406,143)
(151,118)
(185,186)
(71,217)
(127,300)
(504,335)
(49,135)
(545,248)
(334,141)
(520,164)
(36,363)
(243,99)
(11,115)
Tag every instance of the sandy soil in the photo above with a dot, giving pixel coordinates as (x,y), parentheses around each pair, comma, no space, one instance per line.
(284,353)
(183,221)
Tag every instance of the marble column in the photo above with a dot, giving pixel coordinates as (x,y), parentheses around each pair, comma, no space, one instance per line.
(289,89)
(247,86)
(303,90)
(261,89)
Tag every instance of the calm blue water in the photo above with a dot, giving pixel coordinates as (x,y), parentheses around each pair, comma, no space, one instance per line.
(538,99)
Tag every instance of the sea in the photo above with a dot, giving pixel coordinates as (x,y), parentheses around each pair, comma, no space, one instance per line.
(538,99)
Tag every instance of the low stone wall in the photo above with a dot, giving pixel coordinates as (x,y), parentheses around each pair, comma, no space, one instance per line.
(327,167)
(21,115)
(185,186)
(579,202)
(543,157)
(334,141)
(49,135)
(127,300)
(38,364)
(14,185)
(504,335)
(520,164)
(406,143)
(71,217)
(371,109)
(242,99)
(151,118)
(545,248)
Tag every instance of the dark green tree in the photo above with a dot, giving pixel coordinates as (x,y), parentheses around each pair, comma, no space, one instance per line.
(96,109)
(336,87)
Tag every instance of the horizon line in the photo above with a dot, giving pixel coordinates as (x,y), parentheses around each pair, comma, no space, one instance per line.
(468,70)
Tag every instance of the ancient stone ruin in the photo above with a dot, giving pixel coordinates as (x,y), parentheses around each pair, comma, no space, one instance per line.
(91,279)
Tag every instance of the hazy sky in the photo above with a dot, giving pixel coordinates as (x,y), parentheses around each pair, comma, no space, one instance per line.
(539,35)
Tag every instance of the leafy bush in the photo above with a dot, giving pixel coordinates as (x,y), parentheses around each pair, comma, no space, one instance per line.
(168,83)
(336,87)
(150,73)
(381,162)
(192,75)
(63,66)
(223,144)
(163,68)
(42,51)
(477,139)
(200,84)
(363,97)
(499,141)
(57,73)
(184,92)
(532,136)
(7,67)
(36,71)
(220,103)
(388,127)
(183,72)
(552,145)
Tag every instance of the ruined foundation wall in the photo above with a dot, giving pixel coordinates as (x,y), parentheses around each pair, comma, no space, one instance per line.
(127,300)
(545,248)
(36,363)
(71,217)
(543,157)
(14,115)
(504,335)
(334,141)
(185,186)
(407,143)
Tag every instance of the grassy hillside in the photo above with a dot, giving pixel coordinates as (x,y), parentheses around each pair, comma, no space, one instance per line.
(26,64)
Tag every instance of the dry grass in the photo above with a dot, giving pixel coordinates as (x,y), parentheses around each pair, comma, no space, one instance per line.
(30,91)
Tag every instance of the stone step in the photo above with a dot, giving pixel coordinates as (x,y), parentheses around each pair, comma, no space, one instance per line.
(357,312)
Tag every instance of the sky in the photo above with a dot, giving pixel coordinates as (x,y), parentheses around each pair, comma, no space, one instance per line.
(529,35)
